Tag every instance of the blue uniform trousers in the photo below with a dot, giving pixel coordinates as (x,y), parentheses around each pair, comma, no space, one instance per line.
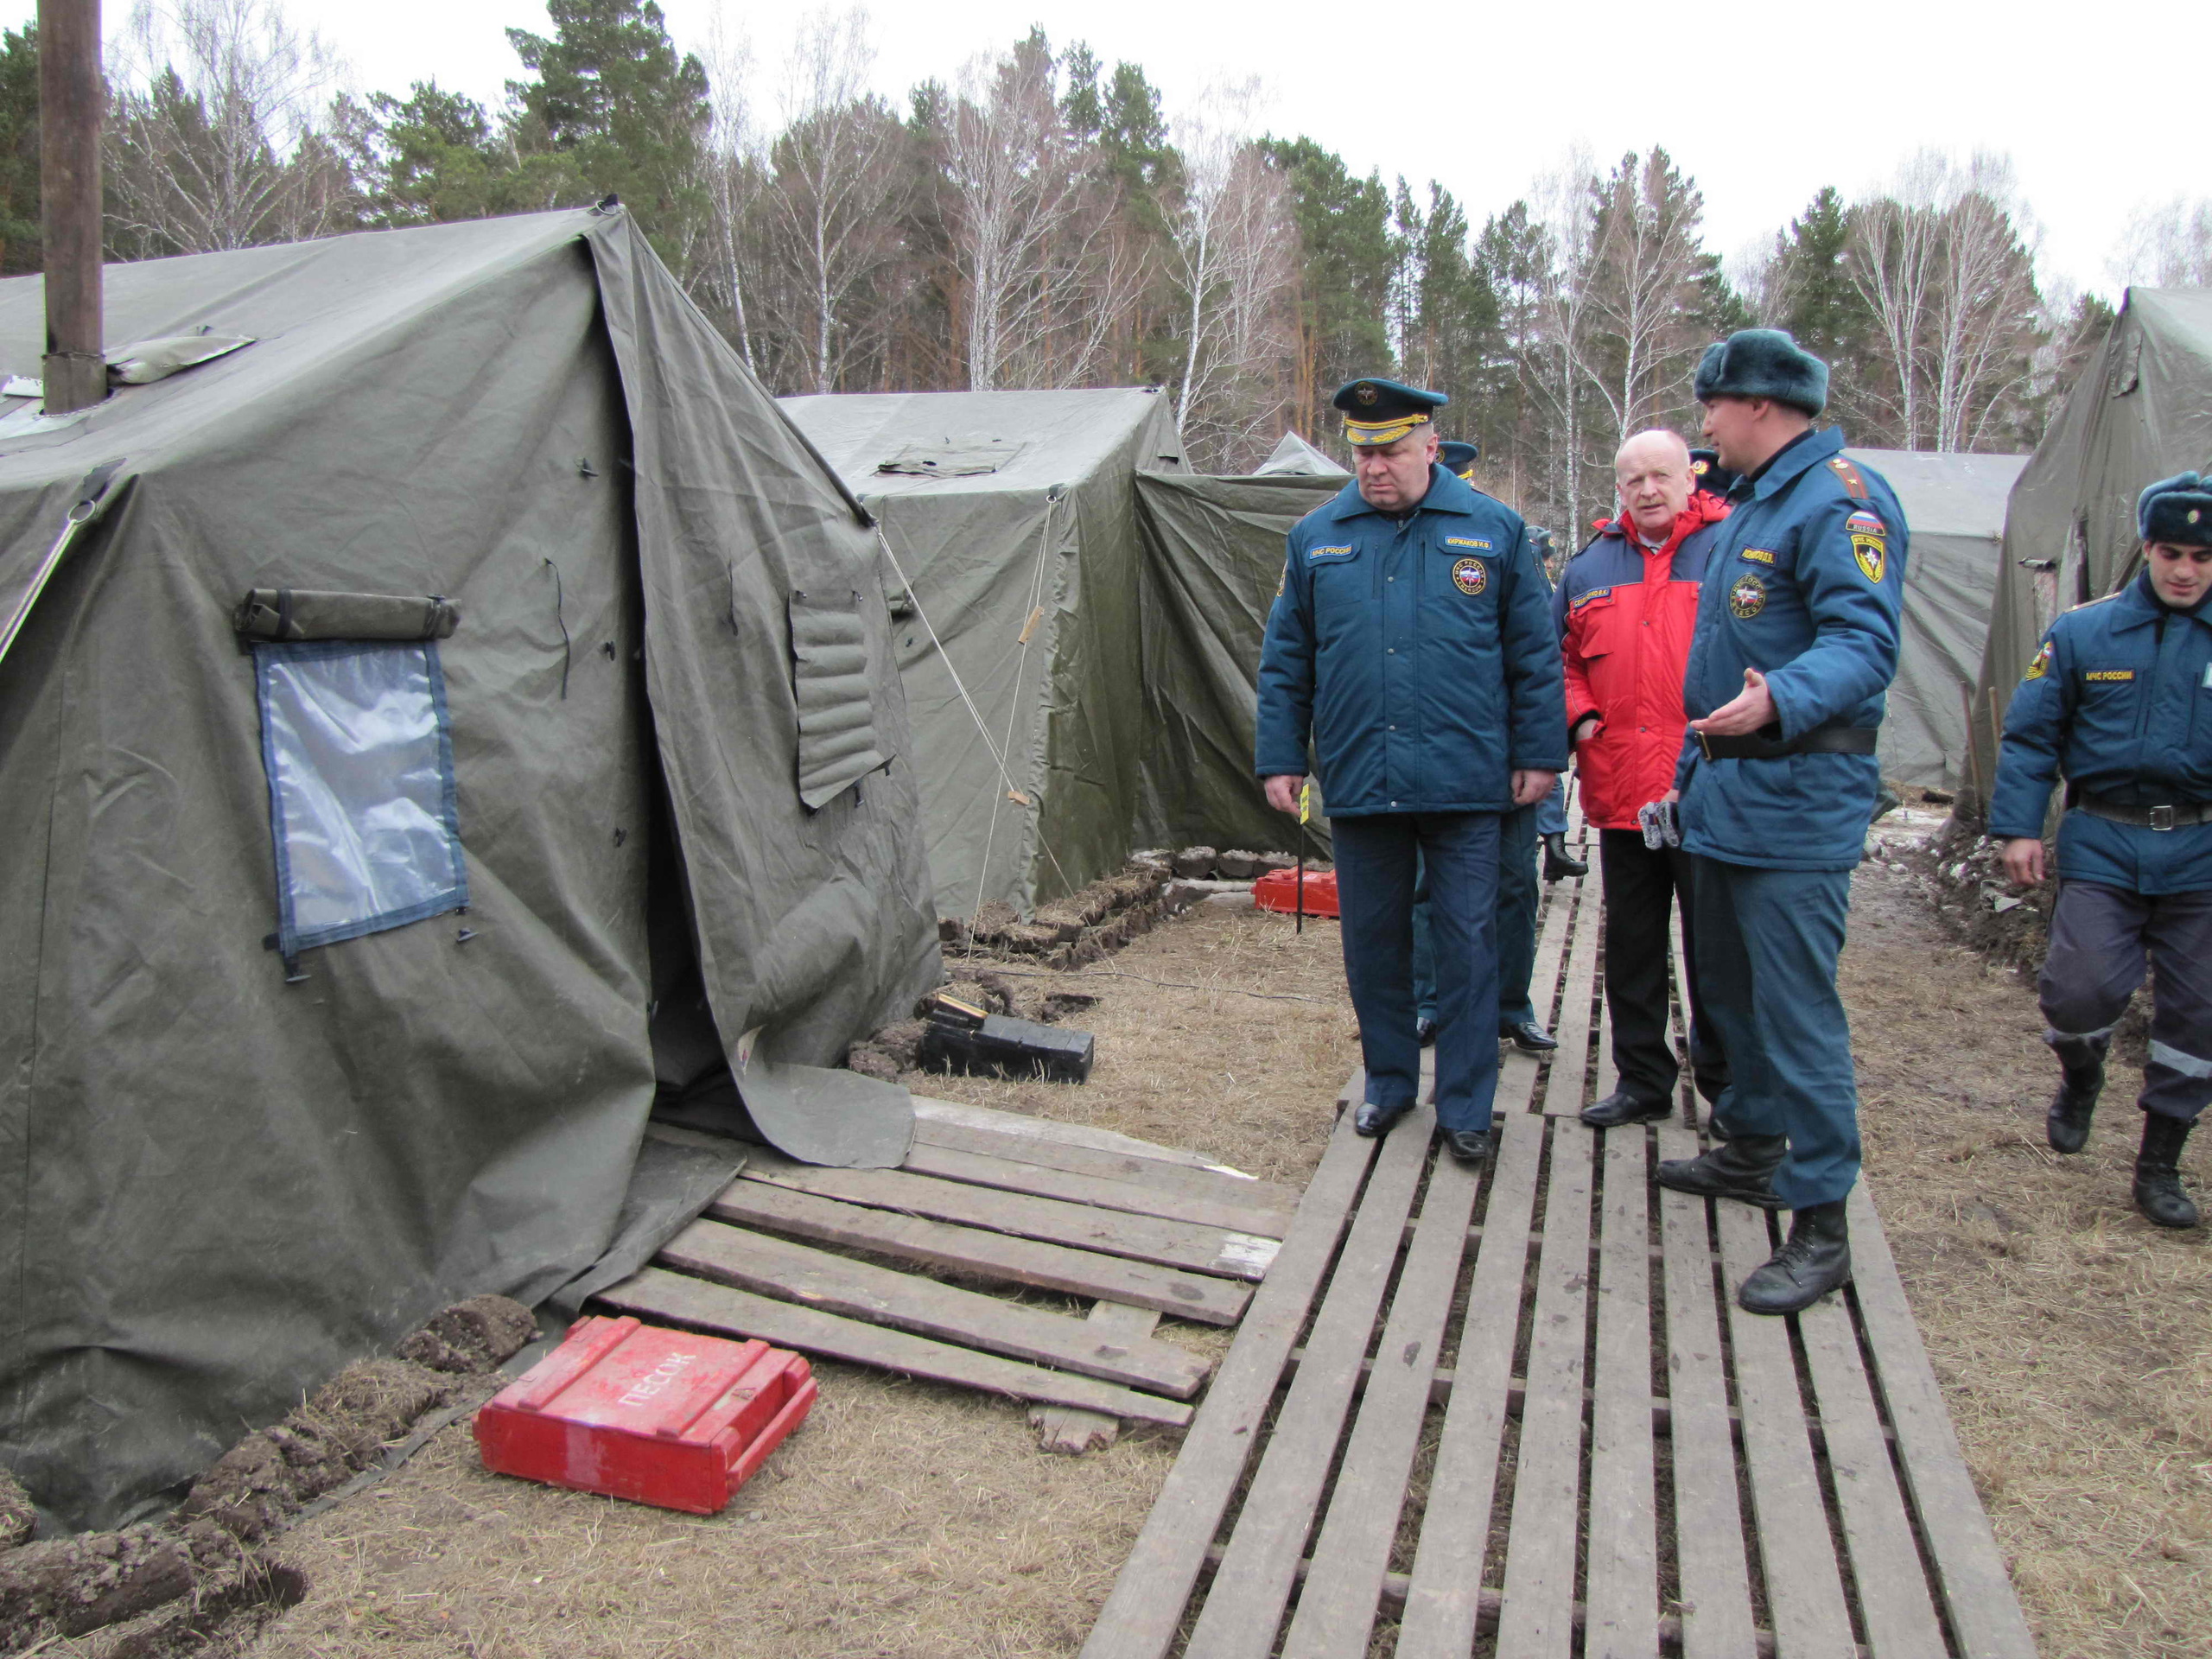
(1376,859)
(2099,937)
(1551,811)
(1517,897)
(1767,943)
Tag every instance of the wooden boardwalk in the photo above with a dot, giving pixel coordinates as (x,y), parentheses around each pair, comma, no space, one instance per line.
(1521,1414)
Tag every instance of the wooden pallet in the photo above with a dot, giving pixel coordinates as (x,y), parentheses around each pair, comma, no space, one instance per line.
(1527,1412)
(857,1264)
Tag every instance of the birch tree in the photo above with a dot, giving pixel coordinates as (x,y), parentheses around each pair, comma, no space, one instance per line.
(731,175)
(1645,264)
(218,137)
(2168,246)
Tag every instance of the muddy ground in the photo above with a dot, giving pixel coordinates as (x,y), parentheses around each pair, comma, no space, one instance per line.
(2073,1343)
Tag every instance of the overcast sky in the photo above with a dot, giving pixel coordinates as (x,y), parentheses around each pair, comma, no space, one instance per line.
(1486,97)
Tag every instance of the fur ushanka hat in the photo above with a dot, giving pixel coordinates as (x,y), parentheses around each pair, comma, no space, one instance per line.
(2177,510)
(1762,363)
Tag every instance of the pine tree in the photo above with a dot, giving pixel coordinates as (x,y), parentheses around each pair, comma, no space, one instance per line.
(1346,266)
(1818,305)
(21,233)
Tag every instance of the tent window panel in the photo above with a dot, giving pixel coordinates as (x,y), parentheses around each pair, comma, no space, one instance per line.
(837,743)
(357,745)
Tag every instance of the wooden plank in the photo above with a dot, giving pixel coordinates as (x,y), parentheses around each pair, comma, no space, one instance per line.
(1623,1558)
(1243,1609)
(1006,1174)
(1977,1594)
(1337,1604)
(1231,1186)
(1062,1429)
(1894,1603)
(927,1110)
(1443,1600)
(1537,1617)
(1804,1592)
(1714,1576)
(1564,1093)
(769,1266)
(1557,919)
(656,1293)
(1113,1232)
(1145,1609)
(986,1254)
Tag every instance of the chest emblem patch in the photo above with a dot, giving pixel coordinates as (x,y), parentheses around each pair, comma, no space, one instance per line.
(2096,675)
(1470,576)
(1748,597)
(2041,665)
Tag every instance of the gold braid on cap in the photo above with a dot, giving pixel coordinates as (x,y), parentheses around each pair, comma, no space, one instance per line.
(1374,432)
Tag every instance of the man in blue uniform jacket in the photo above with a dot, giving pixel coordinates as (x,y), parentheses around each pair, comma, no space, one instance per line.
(1797,641)
(1412,643)
(2119,700)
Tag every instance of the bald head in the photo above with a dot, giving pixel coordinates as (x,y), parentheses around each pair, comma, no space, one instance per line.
(1652,472)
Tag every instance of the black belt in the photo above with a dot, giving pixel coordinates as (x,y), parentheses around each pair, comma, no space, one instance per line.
(1821,740)
(2171,817)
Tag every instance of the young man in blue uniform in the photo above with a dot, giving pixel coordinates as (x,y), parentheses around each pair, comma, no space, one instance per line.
(1797,641)
(1412,643)
(2119,701)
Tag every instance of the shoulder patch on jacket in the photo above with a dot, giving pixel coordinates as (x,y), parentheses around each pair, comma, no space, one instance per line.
(2040,666)
(2098,674)
(2102,600)
(1317,554)
(1764,556)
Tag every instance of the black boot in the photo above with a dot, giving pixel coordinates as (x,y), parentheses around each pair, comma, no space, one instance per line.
(2159,1191)
(1741,1167)
(2081,1063)
(1814,1261)
(1557,864)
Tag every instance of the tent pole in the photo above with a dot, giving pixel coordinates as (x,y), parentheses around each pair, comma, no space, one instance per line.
(70,95)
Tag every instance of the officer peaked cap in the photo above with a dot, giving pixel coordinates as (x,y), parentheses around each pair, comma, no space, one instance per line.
(2176,509)
(1762,363)
(1457,457)
(1709,474)
(1382,411)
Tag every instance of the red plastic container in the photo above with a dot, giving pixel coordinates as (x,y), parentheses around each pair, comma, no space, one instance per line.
(1278,890)
(660,1417)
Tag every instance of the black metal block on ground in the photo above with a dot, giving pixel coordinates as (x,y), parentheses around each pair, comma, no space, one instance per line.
(1002,1047)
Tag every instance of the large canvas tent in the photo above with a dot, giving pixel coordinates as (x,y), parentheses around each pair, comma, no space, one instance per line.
(643,737)
(1013,515)
(1954,505)
(2141,410)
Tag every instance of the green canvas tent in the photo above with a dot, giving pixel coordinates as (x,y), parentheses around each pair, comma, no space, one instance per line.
(1954,507)
(2140,410)
(485,576)
(1293,457)
(1012,516)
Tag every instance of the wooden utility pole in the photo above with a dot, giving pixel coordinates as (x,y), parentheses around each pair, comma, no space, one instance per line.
(70,100)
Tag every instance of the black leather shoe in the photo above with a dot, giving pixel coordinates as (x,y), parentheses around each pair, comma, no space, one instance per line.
(1815,1260)
(2081,1066)
(1468,1146)
(1425,1029)
(1558,865)
(1741,1167)
(2159,1193)
(1372,1119)
(1621,1108)
(1529,1037)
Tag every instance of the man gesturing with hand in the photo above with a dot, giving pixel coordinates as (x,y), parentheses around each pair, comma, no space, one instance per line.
(1412,644)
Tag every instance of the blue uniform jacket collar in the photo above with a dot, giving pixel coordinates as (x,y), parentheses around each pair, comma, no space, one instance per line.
(1447,493)
(2138,606)
(1800,455)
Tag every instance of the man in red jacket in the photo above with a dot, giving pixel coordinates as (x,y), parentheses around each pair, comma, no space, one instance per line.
(1626,608)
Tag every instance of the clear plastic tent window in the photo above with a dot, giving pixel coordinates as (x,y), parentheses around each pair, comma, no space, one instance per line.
(359,750)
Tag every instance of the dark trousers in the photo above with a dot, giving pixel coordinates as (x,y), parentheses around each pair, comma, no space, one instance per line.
(1767,943)
(1518,895)
(1376,860)
(1641,886)
(2100,937)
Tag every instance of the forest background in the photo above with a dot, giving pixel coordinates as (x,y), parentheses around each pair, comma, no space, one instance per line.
(1046,221)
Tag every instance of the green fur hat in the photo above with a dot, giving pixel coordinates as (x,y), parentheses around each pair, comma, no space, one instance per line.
(1762,363)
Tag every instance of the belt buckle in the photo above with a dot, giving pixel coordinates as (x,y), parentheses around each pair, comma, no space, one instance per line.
(2162,818)
(1704,748)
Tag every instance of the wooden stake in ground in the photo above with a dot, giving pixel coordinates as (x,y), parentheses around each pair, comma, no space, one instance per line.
(70,97)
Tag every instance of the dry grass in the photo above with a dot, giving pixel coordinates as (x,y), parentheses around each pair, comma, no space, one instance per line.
(2074,1339)
(906,1518)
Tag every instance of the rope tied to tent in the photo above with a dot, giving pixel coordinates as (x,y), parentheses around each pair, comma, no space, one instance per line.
(982,729)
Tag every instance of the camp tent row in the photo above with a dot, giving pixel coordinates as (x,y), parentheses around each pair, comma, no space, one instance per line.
(450,690)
